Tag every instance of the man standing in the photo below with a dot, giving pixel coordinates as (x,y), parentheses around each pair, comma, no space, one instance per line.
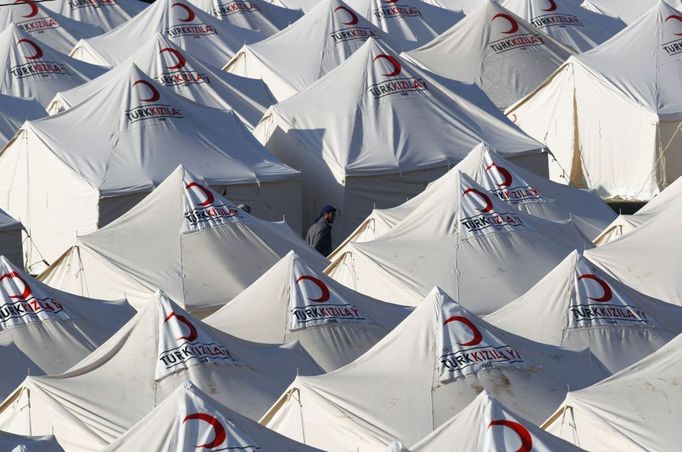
(320,233)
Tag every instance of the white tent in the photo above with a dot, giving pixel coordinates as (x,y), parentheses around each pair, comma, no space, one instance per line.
(45,26)
(178,70)
(324,38)
(582,306)
(412,21)
(13,112)
(256,15)
(565,21)
(183,238)
(511,183)
(358,134)
(480,250)
(498,51)
(105,394)
(31,68)
(429,368)
(18,443)
(98,159)
(637,409)
(200,34)
(486,425)
(50,329)
(612,116)
(295,302)
(627,10)
(189,419)
(106,14)
(11,239)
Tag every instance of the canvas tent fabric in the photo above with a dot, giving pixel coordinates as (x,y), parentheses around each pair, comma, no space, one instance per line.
(324,38)
(18,443)
(294,302)
(615,110)
(567,22)
(178,70)
(11,238)
(13,112)
(486,425)
(498,51)
(357,134)
(105,14)
(627,10)
(34,69)
(580,305)
(480,250)
(635,410)
(189,419)
(98,159)
(184,238)
(105,394)
(210,40)
(256,15)
(412,381)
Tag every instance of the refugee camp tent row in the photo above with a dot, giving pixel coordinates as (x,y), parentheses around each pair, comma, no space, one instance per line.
(105,14)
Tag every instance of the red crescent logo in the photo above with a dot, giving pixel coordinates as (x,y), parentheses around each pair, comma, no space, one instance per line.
(478,337)
(677,18)
(524,434)
(178,56)
(506,175)
(514,26)
(319,283)
(353,17)
(552,6)
(488,202)
(390,1)
(26,294)
(513,117)
(190,14)
(182,319)
(394,62)
(219,435)
(38,52)
(206,192)
(155,93)
(608,294)
(31,3)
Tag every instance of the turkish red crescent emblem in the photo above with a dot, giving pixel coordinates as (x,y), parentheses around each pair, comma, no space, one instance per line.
(520,430)
(37,51)
(190,14)
(478,337)
(32,4)
(506,175)
(394,62)
(608,294)
(353,16)
(155,92)
(182,319)
(512,22)
(552,6)
(389,1)
(488,202)
(677,18)
(319,283)
(219,433)
(513,117)
(178,56)
(206,192)
(26,293)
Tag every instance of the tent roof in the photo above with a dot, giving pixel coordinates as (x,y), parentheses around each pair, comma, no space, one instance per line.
(256,15)
(627,10)
(106,14)
(13,112)
(6,221)
(18,443)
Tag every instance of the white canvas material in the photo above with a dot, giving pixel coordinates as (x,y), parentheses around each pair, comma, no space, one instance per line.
(201,253)
(112,389)
(11,236)
(189,419)
(615,110)
(132,134)
(13,112)
(32,68)
(18,443)
(324,38)
(371,154)
(495,49)
(257,15)
(635,410)
(210,40)
(105,14)
(393,393)
(294,302)
(580,305)
(627,10)
(471,237)
(178,70)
